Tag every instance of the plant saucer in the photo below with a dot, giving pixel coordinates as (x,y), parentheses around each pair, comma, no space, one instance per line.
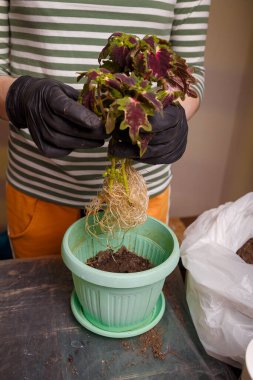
(148,324)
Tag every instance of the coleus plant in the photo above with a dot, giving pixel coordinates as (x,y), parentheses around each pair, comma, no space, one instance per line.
(136,78)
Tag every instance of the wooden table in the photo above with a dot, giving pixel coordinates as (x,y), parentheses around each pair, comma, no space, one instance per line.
(40,338)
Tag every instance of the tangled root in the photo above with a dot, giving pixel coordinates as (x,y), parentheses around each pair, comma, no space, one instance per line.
(122,209)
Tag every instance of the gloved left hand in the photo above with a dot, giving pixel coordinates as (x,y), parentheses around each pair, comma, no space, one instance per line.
(57,123)
(168,138)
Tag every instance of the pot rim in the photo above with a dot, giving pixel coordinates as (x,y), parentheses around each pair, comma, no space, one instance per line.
(120,280)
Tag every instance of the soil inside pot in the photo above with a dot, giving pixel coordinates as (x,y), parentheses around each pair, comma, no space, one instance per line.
(246,251)
(122,261)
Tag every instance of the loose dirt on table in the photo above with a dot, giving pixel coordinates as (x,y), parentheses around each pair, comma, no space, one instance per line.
(150,341)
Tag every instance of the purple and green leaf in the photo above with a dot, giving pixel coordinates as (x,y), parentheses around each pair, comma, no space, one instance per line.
(136,78)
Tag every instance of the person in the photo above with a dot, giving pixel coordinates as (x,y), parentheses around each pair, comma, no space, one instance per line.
(57,147)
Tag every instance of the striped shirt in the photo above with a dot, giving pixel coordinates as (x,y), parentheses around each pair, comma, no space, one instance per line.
(57,39)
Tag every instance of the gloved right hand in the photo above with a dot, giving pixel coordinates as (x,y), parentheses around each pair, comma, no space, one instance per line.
(167,141)
(57,123)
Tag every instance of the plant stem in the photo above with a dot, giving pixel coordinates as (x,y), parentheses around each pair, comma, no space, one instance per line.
(112,172)
(124,175)
(100,102)
(117,174)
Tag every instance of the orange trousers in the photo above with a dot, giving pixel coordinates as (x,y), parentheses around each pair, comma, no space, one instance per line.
(36,227)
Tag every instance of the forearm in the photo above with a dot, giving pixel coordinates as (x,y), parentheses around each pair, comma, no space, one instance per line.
(191,106)
(5,82)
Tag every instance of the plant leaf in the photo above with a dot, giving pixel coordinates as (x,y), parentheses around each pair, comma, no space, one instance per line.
(159,63)
(126,80)
(112,116)
(135,117)
(88,97)
(143,143)
(150,100)
(118,50)
(113,67)
(81,75)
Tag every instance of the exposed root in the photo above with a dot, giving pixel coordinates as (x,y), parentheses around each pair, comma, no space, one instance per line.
(122,208)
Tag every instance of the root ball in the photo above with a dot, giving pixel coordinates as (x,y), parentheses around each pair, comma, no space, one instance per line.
(122,209)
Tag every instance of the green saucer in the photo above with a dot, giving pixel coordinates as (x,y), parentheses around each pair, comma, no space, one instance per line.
(156,316)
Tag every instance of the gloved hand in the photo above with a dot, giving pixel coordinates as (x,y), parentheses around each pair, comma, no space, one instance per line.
(57,123)
(168,138)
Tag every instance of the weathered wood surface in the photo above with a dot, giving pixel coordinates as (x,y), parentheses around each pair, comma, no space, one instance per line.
(41,340)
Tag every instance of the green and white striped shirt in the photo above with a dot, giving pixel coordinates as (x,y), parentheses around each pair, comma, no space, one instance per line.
(57,39)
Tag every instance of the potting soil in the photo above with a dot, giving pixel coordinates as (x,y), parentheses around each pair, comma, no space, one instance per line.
(246,251)
(122,261)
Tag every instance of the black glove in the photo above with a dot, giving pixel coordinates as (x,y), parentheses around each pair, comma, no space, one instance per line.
(168,138)
(57,123)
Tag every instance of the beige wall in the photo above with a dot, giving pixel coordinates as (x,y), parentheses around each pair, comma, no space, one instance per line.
(218,164)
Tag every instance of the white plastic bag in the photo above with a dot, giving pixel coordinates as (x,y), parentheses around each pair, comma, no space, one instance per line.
(219,284)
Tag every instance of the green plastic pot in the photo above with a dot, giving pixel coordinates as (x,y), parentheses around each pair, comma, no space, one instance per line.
(120,304)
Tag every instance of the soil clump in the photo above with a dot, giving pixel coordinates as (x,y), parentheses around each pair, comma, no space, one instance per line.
(122,261)
(246,251)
